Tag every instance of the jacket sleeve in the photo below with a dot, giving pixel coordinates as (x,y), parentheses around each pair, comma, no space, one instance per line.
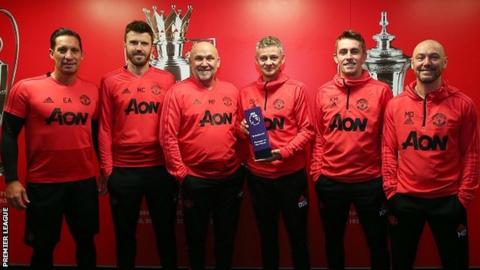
(389,154)
(469,149)
(105,130)
(12,125)
(319,141)
(305,129)
(170,121)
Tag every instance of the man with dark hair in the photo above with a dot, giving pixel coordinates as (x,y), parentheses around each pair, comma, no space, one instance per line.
(346,165)
(132,160)
(430,162)
(198,133)
(58,112)
(279,184)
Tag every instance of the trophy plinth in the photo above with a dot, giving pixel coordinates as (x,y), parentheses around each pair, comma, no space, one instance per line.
(386,63)
(169,40)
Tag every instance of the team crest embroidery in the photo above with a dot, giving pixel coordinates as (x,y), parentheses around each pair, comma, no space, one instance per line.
(409,118)
(332,102)
(227,101)
(439,119)
(85,100)
(279,104)
(156,89)
(362,104)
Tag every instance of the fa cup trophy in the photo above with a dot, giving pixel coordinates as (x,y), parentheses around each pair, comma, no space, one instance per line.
(386,63)
(169,40)
(4,70)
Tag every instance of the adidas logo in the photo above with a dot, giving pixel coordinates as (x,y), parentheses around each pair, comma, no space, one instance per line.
(126,91)
(48,100)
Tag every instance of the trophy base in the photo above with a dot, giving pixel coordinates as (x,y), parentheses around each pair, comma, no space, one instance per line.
(263,154)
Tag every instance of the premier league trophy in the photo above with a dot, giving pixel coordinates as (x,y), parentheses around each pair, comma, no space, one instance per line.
(386,63)
(4,69)
(169,40)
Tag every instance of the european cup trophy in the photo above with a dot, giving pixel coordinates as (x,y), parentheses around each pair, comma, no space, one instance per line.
(386,63)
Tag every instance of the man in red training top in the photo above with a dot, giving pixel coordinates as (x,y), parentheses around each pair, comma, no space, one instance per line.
(346,165)
(279,184)
(131,100)
(430,161)
(58,111)
(198,135)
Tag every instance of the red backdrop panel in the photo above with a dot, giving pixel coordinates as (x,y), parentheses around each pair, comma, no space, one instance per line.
(308,29)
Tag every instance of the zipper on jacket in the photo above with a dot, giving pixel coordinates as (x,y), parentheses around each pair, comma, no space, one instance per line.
(266,94)
(348,93)
(424,111)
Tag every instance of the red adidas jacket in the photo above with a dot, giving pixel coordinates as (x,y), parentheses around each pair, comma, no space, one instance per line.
(287,120)
(349,119)
(130,107)
(198,130)
(430,146)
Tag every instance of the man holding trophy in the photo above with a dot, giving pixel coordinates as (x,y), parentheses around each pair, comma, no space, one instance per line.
(276,161)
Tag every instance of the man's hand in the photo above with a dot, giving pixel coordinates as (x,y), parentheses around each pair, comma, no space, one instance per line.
(16,195)
(244,127)
(102,184)
(275,156)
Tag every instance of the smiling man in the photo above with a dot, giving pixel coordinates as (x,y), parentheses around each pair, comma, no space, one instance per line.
(58,111)
(279,184)
(131,156)
(198,134)
(430,161)
(346,165)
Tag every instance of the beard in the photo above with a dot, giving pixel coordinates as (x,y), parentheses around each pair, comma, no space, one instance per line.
(139,62)
(435,74)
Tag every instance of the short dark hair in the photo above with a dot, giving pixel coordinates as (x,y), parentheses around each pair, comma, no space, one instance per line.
(63,32)
(138,27)
(349,34)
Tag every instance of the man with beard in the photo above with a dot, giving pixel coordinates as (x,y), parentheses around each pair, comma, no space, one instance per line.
(198,133)
(279,184)
(132,160)
(430,162)
(346,165)
(58,111)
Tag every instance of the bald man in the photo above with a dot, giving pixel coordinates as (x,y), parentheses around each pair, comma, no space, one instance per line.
(430,162)
(198,135)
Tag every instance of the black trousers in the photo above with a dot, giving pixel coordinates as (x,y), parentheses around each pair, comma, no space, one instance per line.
(216,198)
(127,187)
(49,203)
(447,219)
(334,200)
(286,195)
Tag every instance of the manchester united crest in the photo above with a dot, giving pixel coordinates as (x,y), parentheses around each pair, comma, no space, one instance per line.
(362,104)
(279,104)
(156,89)
(227,101)
(85,100)
(439,119)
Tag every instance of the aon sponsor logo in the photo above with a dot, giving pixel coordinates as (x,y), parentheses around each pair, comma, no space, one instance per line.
(216,119)
(347,123)
(274,123)
(66,118)
(425,142)
(142,107)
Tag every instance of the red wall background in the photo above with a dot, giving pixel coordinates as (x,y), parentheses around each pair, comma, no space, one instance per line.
(308,29)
